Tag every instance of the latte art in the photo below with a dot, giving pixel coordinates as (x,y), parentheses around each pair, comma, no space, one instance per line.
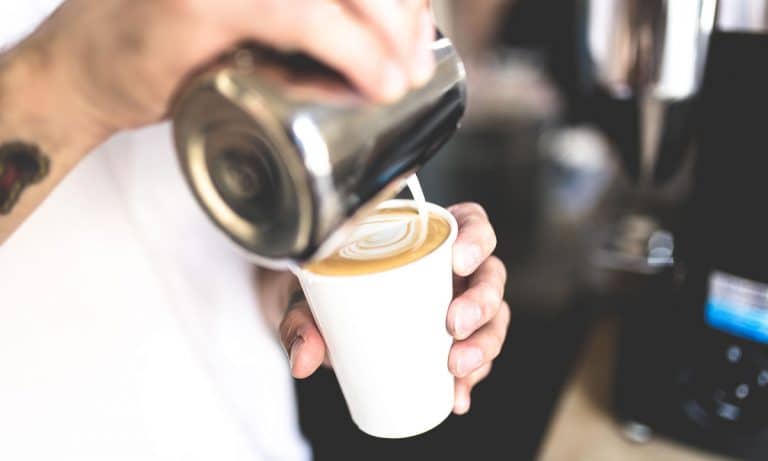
(392,237)
(384,236)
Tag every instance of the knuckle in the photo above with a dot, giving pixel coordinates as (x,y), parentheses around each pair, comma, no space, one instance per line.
(499,268)
(476,209)
(468,225)
(498,344)
(493,241)
(468,209)
(496,338)
(486,232)
(487,298)
(478,295)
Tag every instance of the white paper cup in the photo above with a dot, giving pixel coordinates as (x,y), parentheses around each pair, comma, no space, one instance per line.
(387,338)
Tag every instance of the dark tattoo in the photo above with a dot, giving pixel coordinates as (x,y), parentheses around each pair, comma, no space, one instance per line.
(21,164)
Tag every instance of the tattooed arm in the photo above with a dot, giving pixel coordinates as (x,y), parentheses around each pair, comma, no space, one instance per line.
(95,67)
(41,135)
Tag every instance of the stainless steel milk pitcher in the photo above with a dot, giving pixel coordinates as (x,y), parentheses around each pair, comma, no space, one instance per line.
(284,155)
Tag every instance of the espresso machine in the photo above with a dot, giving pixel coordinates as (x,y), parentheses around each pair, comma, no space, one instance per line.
(678,87)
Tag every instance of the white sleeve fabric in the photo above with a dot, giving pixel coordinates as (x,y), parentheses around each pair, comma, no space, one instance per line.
(129,327)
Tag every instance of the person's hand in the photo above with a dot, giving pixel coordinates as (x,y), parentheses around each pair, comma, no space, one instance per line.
(477,318)
(124,60)
(96,67)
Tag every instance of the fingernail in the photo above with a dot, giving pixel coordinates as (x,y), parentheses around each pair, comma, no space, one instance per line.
(469,361)
(466,320)
(395,83)
(294,349)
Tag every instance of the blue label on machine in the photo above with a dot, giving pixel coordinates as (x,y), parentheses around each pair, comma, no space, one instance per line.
(738,306)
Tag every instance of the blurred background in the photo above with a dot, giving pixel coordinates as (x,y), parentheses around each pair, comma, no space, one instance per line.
(617,146)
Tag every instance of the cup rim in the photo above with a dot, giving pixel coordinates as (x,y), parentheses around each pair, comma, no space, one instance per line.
(400,203)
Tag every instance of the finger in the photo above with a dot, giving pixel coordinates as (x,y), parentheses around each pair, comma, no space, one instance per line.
(424,58)
(480,348)
(464,386)
(402,25)
(393,20)
(302,341)
(480,302)
(334,35)
(476,240)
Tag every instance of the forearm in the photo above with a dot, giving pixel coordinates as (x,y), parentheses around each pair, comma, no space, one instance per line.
(38,111)
(95,67)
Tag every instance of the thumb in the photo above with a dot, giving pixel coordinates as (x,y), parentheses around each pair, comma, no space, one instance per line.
(302,340)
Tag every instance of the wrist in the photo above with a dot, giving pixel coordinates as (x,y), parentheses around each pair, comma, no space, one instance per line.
(44,133)
(39,107)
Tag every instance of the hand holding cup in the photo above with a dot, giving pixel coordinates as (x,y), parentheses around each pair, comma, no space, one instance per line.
(477,317)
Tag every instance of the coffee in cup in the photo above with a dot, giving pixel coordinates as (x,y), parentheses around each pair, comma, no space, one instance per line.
(391,238)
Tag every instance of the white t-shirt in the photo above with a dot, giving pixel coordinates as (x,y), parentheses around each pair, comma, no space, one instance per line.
(129,327)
